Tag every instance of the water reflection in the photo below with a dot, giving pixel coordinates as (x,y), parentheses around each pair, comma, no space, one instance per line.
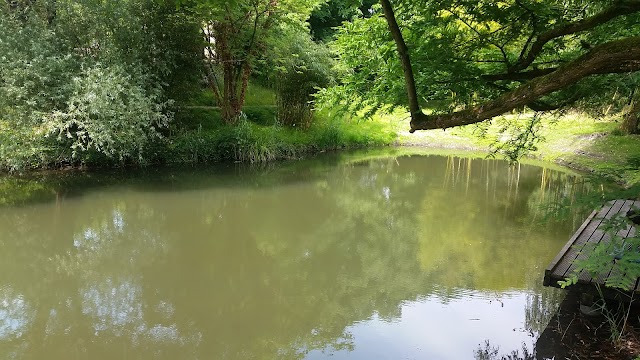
(419,257)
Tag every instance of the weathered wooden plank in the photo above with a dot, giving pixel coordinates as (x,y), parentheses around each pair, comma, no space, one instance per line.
(591,234)
(559,264)
(549,270)
(624,233)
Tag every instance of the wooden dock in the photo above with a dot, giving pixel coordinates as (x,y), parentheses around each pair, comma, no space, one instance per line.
(589,233)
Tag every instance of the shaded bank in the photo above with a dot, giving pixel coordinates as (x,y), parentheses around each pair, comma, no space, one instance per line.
(572,335)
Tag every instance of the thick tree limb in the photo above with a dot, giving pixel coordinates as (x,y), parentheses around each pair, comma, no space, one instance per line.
(535,73)
(619,8)
(612,57)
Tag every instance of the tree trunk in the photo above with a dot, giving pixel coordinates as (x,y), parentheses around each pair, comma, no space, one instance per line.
(230,103)
(403,52)
(227,106)
(617,56)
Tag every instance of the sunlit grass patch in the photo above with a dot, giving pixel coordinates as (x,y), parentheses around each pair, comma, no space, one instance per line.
(574,139)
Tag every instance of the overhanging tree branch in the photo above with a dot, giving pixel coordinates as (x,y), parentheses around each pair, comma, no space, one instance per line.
(613,57)
(619,8)
(617,56)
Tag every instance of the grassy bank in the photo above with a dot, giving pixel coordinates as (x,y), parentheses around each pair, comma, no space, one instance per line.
(197,134)
(578,141)
(252,141)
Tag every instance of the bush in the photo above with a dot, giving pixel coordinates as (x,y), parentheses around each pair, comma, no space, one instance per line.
(34,71)
(307,69)
(22,147)
(109,113)
(80,85)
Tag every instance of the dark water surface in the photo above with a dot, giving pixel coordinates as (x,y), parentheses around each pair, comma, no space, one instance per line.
(414,257)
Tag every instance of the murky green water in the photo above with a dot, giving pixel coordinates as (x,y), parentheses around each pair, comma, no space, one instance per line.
(422,257)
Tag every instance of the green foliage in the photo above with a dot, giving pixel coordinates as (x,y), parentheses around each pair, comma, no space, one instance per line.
(261,115)
(257,95)
(109,113)
(306,67)
(199,147)
(22,147)
(194,118)
(255,143)
(457,46)
(519,139)
(35,70)
(326,18)
(86,73)
(35,73)
(162,44)
(368,68)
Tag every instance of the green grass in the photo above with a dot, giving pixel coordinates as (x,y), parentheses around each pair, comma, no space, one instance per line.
(201,111)
(253,142)
(199,134)
(257,95)
(592,145)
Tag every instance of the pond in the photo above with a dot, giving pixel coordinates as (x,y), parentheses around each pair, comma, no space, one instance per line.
(405,257)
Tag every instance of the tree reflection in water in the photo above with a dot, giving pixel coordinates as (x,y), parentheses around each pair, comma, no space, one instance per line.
(488,352)
(275,263)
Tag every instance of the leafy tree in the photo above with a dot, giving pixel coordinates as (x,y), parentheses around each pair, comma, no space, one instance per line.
(474,60)
(237,34)
(234,35)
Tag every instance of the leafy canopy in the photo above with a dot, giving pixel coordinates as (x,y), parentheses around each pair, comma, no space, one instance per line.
(466,52)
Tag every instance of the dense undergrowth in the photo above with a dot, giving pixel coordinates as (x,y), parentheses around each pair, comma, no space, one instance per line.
(198,135)
(258,141)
